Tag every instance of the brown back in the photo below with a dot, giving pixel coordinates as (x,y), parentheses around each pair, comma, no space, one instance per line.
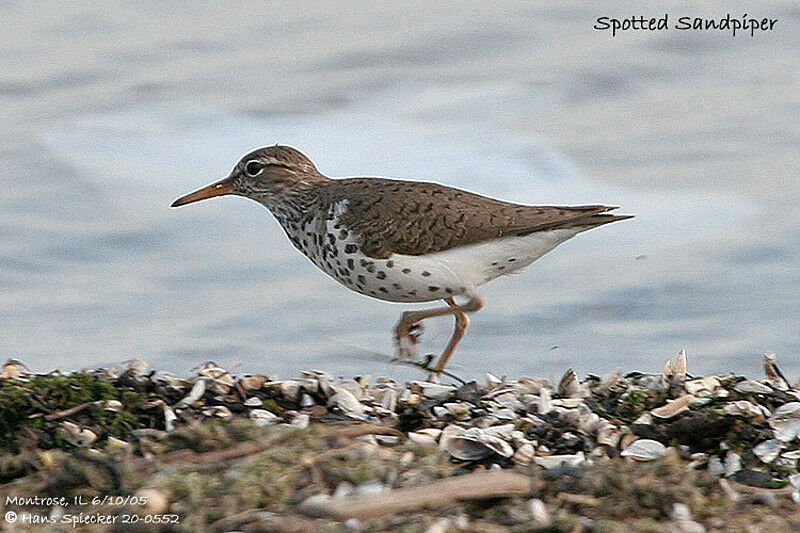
(416,218)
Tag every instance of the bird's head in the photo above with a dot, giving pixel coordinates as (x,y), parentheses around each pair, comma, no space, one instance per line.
(265,175)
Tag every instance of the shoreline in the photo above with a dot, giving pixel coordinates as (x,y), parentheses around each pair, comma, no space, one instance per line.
(222,452)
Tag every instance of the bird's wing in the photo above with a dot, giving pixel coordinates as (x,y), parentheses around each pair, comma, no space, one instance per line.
(416,218)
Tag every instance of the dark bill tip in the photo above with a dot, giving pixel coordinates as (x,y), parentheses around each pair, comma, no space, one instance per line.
(215,189)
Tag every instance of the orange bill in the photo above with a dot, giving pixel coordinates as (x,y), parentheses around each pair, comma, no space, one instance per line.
(215,189)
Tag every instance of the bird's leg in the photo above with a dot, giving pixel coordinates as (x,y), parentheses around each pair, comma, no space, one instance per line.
(462,323)
(407,340)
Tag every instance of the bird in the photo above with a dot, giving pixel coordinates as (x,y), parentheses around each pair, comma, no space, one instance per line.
(402,241)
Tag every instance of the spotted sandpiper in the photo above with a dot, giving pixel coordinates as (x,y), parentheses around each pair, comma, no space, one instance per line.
(402,241)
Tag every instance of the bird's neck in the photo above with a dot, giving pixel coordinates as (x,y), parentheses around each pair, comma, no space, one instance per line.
(295,203)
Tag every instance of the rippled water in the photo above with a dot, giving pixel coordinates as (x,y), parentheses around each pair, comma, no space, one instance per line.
(112,114)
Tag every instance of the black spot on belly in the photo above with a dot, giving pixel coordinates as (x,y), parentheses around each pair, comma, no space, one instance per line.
(350,248)
(381,274)
(331,238)
(501,268)
(512,259)
(448,290)
(365,263)
(361,279)
(406,271)
(389,264)
(433,289)
(383,289)
(351,264)
(494,264)
(343,234)
(371,269)
(426,273)
(397,286)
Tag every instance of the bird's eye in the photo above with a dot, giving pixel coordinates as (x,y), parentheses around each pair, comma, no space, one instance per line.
(253,167)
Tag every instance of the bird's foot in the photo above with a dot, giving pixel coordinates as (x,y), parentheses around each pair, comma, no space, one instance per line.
(407,337)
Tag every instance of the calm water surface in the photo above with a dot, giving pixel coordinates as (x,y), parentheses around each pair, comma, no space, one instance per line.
(110,114)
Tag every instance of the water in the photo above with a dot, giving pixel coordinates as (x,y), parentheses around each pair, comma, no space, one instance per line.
(112,113)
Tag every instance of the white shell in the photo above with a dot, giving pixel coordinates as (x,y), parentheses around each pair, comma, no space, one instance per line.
(674,408)
(114,443)
(702,387)
(77,435)
(676,367)
(493,380)
(448,433)
(793,455)
(544,405)
(504,431)
(785,421)
(306,400)
(538,512)
(300,421)
(434,391)
(387,440)
(262,417)
(554,461)
(475,444)
(644,450)
(774,375)
(253,402)
(386,398)
(425,436)
(169,418)
(505,414)
(570,386)
(114,406)
(290,388)
(219,411)
(198,389)
(750,386)
(746,408)
(609,436)
(768,450)
(524,454)
(466,448)
(346,401)
(732,464)
(715,467)
(439,411)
